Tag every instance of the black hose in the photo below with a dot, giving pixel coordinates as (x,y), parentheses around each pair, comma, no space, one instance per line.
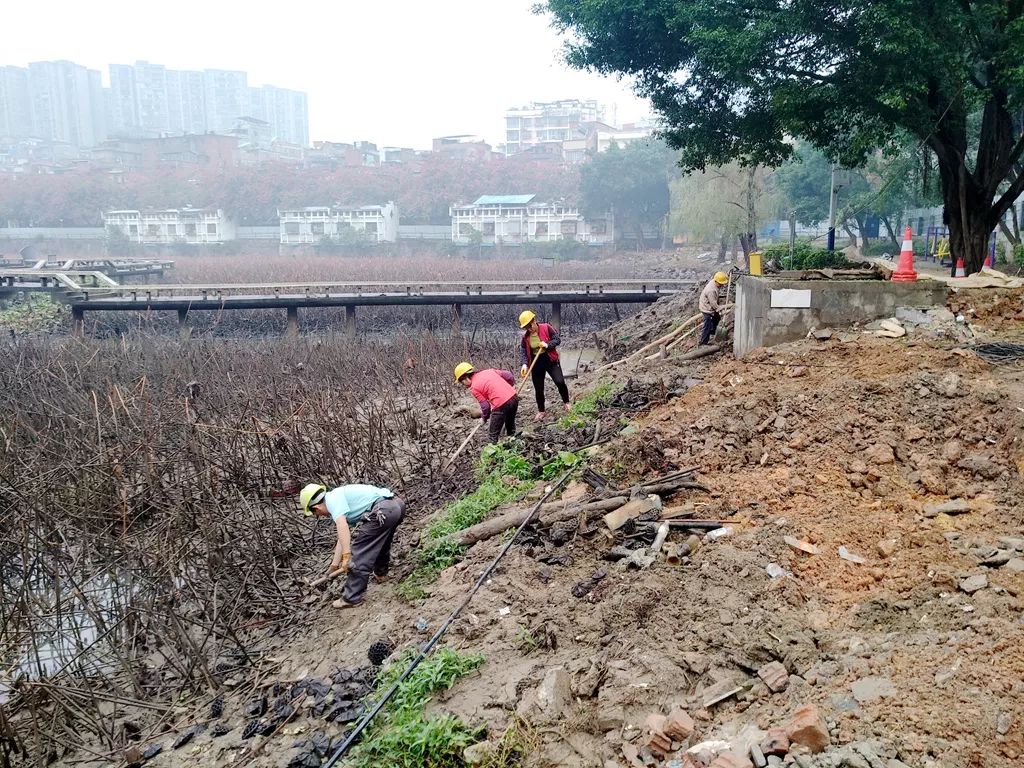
(368,717)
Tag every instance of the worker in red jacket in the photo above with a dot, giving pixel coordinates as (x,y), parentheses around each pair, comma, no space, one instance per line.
(541,340)
(496,394)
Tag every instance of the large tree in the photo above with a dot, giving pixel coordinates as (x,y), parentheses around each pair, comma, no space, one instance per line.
(737,79)
(632,182)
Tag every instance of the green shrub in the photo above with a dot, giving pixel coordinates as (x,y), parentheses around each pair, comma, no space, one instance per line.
(1018,254)
(805,255)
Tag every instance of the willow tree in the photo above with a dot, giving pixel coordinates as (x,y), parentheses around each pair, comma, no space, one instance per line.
(738,79)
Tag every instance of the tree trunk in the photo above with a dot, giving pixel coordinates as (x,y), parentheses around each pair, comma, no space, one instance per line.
(749,238)
(892,235)
(1011,233)
(972,201)
(968,238)
(792,231)
(723,245)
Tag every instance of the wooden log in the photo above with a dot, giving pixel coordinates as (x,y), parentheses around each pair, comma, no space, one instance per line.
(498,524)
(617,518)
(699,352)
(672,486)
(653,345)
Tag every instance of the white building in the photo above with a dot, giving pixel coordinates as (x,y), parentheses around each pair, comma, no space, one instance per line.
(174,225)
(547,123)
(374,223)
(517,219)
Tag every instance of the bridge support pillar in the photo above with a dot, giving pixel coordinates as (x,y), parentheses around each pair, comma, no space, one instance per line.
(457,317)
(293,322)
(556,314)
(183,327)
(77,321)
(350,322)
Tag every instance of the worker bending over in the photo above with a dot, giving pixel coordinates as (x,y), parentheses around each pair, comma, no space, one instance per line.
(496,393)
(710,308)
(366,518)
(540,341)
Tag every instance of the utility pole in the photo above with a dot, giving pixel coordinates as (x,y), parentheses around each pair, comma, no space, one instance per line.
(833,201)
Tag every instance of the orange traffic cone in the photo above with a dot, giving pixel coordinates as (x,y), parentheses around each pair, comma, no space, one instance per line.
(905,270)
(960,271)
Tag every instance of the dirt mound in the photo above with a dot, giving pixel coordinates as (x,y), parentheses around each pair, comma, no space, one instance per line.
(994,308)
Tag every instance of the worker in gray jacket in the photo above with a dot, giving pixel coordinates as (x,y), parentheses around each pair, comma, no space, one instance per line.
(710,308)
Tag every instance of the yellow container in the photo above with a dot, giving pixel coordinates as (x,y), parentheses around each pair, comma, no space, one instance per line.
(755,262)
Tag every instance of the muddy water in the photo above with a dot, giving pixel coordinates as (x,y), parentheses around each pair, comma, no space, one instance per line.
(64,633)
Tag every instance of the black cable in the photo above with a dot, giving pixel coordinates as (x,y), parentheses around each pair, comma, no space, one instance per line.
(369,716)
(1000,352)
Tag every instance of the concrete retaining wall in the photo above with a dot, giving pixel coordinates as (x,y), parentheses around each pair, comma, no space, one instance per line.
(832,303)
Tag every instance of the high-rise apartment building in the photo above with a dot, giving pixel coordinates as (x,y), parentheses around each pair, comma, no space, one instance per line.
(64,102)
(186,102)
(15,106)
(227,98)
(287,112)
(67,103)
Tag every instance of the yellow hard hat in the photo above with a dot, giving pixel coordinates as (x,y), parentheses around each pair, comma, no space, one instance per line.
(526,317)
(461,370)
(721,278)
(312,494)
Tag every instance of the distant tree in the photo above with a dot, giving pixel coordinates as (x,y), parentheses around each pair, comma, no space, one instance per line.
(886,186)
(736,79)
(632,182)
(724,205)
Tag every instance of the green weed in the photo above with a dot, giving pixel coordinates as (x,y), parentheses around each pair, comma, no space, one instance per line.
(402,736)
(36,314)
(505,459)
(585,409)
(565,460)
(438,552)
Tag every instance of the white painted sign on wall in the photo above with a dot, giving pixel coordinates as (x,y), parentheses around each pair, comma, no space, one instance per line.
(790,298)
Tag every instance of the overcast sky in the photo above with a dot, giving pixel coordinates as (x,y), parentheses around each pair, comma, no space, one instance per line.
(397,73)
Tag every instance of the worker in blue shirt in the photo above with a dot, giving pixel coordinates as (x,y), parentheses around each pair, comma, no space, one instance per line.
(366,518)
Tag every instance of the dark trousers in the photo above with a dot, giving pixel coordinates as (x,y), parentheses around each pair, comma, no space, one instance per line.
(371,546)
(545,366)
(710,326)
(503,416)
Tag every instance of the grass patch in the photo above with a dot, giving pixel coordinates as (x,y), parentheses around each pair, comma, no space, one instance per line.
(585,409)
(35,314)
(402,736)
(436,552)
(503,472)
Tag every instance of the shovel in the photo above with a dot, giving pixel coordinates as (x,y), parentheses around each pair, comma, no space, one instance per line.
(479,424)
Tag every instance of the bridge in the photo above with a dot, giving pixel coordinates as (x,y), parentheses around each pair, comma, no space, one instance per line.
(94,292)
(114,268)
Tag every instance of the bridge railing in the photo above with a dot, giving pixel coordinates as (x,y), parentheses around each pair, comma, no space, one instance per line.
(56,279)
(450,289)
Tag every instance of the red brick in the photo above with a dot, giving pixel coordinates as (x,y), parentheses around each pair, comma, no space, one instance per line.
(808,728)
(657,741)
(775,676)
(731,760)
(679,725)
(775,743)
